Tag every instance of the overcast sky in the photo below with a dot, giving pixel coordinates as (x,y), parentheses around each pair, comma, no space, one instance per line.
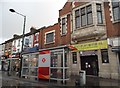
(39,13)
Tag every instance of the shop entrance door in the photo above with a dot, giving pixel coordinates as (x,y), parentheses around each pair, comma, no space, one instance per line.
(90,64)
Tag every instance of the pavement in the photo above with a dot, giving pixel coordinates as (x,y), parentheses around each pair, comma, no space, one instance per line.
(91,81)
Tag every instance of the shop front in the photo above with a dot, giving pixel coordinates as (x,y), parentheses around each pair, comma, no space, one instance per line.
(90,56)
(13,66)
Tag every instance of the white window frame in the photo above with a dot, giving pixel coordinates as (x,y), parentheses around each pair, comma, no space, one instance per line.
(111,10)
(18,42)
(53,37)
(79,8)
(37,37)
(65,16)
(101,11)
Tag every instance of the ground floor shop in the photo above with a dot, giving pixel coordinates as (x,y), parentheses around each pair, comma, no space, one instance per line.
(96,58)
(13,66)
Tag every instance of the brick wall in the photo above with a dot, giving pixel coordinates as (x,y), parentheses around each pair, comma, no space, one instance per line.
(113,29)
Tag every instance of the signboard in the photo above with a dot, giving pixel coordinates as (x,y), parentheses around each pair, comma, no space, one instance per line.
(87,53)
(91,46)
(44,65)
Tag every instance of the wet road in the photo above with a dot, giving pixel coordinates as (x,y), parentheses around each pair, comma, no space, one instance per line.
(7,81)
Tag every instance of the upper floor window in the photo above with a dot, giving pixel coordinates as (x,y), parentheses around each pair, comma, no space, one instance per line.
(19,42)
(116,10)
(50,37)
(36,37)
(63,26)
(30,40)
(26,42)
(77,18)
(99,14)
(83,16)
(89,15)
(14,43)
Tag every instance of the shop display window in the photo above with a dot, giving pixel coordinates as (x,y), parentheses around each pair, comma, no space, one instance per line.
(74,56)
(104,54)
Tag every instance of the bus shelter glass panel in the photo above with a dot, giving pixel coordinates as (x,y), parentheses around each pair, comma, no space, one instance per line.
(25,65)
(30,65)
(25,71)
(56,73)
(26,61)
(58,65)
(34,60)
(33,71)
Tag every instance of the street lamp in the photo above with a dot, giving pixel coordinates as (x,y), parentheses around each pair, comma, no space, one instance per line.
(12,10)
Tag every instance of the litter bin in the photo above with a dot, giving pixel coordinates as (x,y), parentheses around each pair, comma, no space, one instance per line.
(82,78)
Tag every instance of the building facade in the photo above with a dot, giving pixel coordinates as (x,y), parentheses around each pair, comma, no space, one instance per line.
(86,37)
(112,17)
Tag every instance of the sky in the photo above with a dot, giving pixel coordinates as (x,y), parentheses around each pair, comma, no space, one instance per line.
(39,13)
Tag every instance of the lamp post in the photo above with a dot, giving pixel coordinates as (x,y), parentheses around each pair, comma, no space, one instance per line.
(12,10)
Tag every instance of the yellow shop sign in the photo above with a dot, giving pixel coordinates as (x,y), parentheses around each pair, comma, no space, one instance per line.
(91,46)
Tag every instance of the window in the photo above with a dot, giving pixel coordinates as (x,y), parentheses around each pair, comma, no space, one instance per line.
(89,15)
(14,43)
(99,14)
(50,37)
(18,50)
(26,42)
(116,10)
(19,42)
(83,17)
(104,54)
(30,40)
(74,56)
(63,26)
(77,19)
(36,37)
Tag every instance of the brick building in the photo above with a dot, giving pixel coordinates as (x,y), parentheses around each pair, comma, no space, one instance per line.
(112,17)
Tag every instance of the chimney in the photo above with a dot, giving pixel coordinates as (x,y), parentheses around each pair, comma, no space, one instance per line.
(15,36)
(32,29)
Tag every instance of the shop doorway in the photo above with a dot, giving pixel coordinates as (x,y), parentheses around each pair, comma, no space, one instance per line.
(90,64)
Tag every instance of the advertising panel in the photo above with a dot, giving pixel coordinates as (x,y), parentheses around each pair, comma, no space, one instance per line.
(44,65)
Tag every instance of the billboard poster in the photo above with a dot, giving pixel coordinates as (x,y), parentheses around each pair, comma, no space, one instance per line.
(44,65)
